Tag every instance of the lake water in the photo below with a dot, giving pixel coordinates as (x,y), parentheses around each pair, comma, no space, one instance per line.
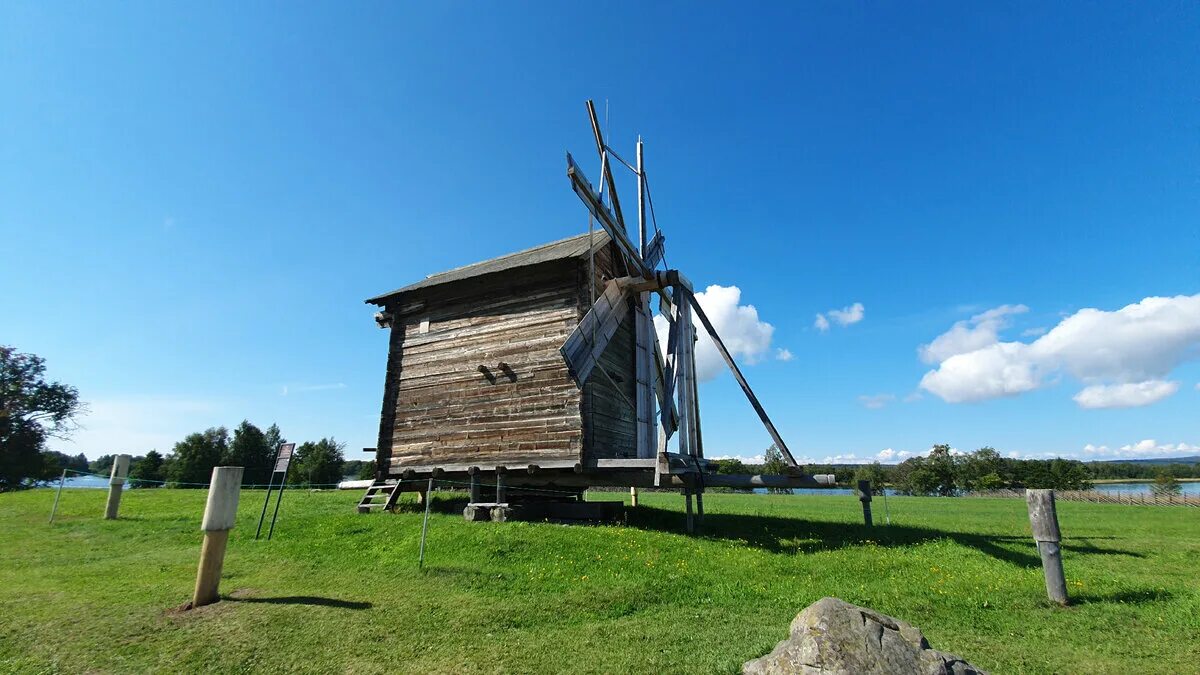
(1111,488)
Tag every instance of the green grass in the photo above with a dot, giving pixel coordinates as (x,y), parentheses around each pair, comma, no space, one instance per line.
(339,591)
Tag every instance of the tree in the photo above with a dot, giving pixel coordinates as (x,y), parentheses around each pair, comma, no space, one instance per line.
(773,463)
(942,467)
(1165,484)
(318,463)
(31,410)
(367,471)
(148,471)
(873,472)
(194,457)
(973,468)
(250,449)
(731,466)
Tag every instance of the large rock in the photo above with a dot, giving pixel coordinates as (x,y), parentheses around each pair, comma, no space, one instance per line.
(833,636)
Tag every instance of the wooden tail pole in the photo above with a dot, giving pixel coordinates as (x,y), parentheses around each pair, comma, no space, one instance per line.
(864,496)
(220,513)
(116,485)
(1043,518)
(737,375)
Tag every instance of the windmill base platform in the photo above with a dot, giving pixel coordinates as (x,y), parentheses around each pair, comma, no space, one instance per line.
(533,492)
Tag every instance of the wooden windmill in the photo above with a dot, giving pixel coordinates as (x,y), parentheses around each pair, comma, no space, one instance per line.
(539,372)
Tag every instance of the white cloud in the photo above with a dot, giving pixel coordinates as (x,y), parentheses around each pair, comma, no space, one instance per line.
(1128,395)
(913,397)
(1034,332)
(746,337)
(1147,448)
(885,454)
(782,354)
(966,336)
(876,401)
(843,317)
(847,315)
(1137,345)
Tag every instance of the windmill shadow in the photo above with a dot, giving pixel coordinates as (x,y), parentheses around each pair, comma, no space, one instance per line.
(799,536)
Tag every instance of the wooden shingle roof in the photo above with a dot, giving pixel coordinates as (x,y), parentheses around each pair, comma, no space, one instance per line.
(571,247)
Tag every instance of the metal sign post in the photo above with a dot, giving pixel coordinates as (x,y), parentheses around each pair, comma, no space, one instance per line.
(283,459)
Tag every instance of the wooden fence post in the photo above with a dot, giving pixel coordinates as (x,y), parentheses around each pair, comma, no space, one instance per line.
(220,512)
(1043,518)
(864,496)
(116,485)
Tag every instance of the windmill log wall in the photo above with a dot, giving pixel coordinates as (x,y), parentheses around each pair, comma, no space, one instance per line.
(475,376)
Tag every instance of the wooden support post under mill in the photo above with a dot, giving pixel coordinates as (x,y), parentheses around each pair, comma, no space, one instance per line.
(116,485)
(473,472)
(633,496)
(864,496)
(220,513)
(1043,519)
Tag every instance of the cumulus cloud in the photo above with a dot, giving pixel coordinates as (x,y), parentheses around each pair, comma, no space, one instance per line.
(1147,448)
(842,317)
(746,337)
(1128,395)
(782,354)
(885,454)
(966,336)
(876,401)
(1123,357)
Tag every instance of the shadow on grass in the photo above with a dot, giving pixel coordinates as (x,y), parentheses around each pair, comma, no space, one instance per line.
(797,535)
(1138,597)
(312,600)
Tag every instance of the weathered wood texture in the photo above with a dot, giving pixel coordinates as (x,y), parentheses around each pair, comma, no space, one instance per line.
(475,375)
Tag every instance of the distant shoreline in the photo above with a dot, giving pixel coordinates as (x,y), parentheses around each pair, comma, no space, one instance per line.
(1106,481)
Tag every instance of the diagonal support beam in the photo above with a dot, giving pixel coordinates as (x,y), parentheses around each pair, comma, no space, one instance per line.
(737,374)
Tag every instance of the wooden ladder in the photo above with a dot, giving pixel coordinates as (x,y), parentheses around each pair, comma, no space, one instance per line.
(389,491)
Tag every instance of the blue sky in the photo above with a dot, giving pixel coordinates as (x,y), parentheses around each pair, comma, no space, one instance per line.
(195,200)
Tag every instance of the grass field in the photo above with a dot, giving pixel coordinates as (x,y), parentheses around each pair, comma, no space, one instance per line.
(336,591)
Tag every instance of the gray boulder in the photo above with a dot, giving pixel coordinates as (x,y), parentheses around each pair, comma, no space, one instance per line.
(833,636)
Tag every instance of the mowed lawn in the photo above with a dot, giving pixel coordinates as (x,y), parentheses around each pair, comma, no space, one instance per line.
(336,591)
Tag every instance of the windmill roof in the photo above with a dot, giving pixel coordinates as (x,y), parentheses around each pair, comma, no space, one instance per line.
(571,247)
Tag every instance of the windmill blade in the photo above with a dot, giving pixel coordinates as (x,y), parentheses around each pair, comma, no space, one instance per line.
(583,188)
(737,374)
(587,342)
(612,185)
(668,413)
(655,250)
